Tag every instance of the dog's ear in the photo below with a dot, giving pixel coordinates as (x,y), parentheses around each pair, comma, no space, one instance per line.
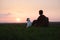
(27,19)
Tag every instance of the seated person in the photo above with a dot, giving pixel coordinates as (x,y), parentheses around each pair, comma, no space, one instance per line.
(42,20)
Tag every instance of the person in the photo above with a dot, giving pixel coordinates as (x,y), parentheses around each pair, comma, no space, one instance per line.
(34,23)
(28,23)
(42,20)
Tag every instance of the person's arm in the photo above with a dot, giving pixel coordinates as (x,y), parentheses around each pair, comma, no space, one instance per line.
(39,19)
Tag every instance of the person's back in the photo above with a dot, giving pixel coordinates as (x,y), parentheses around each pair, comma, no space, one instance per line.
(42,20)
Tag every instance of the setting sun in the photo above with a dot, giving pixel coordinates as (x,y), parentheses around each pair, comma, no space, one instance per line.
(18,10)
(18,19)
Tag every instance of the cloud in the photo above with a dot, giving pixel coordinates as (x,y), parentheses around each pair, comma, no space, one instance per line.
(4,15)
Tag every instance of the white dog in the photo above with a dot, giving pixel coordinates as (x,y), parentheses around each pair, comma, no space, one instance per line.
(28,22)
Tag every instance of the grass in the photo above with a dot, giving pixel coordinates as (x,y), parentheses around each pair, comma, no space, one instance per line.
(19,32)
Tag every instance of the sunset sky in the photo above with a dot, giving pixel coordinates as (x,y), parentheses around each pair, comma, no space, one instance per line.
(20,10)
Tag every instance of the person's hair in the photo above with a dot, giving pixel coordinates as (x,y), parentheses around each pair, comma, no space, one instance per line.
(40,12)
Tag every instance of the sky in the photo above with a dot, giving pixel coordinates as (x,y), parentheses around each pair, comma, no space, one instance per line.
(20,10)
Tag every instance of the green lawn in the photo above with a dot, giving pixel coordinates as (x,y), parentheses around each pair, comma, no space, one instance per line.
(17,32)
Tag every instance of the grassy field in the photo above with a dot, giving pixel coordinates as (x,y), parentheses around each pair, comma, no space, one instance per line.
(20,32)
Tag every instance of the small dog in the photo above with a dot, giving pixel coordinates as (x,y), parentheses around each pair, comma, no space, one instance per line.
(28,23)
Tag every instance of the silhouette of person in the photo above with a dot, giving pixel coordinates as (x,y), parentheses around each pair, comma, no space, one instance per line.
(42,20)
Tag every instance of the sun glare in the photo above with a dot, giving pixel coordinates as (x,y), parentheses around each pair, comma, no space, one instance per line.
(18,19)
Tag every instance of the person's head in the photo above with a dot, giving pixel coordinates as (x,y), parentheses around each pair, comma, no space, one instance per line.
(40,12)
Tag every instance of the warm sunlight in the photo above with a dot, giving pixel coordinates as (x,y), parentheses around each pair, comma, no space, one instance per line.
(19,10)
(18,19)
